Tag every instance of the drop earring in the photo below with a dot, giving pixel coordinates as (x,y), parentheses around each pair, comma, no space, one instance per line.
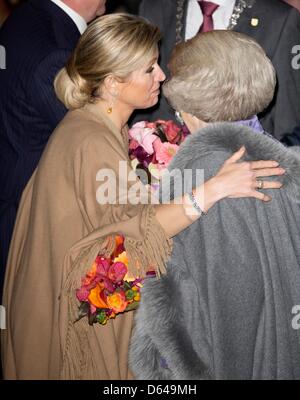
(109,110)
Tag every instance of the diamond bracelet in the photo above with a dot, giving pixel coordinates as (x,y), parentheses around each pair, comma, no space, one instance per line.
(195,204)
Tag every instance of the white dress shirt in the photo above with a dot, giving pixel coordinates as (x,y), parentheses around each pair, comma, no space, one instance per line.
(221,16)
(78,20)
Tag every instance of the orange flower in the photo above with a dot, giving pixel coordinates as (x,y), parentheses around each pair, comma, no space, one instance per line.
(119,240)
(96,297)
(119,246)
(117,302)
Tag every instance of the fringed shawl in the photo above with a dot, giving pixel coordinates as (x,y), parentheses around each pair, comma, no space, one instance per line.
(60,229)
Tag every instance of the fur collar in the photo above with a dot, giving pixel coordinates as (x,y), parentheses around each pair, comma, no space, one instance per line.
(208,149)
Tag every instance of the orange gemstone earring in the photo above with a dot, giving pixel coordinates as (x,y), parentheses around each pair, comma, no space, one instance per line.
(109,110)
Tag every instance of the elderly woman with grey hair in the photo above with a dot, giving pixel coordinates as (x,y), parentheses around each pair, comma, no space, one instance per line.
(227,308)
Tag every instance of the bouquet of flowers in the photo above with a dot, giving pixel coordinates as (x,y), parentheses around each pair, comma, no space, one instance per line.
(108,289)
(152,145)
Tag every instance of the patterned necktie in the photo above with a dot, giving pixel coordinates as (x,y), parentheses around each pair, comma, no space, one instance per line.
(208,8)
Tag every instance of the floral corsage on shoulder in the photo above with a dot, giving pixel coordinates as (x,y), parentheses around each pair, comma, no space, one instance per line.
(108,289)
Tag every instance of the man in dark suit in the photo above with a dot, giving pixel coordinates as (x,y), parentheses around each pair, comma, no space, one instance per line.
(274,24)
(38,38)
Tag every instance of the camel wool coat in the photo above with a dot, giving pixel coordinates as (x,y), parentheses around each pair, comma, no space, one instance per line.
(59,231)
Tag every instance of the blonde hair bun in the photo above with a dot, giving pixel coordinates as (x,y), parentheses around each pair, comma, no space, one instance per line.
(114,44)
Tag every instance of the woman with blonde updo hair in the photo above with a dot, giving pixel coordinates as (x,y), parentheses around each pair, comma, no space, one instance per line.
(81,196)
(106,49)
(230,299)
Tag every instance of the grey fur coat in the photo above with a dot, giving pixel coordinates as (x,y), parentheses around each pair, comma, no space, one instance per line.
(225,308)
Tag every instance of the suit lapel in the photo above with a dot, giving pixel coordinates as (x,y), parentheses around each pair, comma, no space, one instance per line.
(254,22)
(181,15)
(241,8)
(246,22)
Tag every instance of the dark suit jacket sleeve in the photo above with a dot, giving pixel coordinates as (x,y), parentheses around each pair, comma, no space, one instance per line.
(41,89)
(286,113)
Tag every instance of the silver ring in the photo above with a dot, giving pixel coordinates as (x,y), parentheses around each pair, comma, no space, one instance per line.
(260,184)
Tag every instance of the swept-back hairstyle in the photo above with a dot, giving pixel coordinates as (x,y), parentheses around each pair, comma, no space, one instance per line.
(220,76)
(114,44)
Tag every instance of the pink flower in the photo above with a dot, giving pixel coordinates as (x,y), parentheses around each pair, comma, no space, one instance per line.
(150,124)
(102,265)
(91,278)
(172,132)
(143,135)
(117,271)
(165,152)
(82,293)
(133,144)
(140,124)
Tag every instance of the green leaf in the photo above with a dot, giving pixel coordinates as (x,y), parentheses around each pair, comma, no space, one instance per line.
(127,285)
(101,317)
(129,294)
